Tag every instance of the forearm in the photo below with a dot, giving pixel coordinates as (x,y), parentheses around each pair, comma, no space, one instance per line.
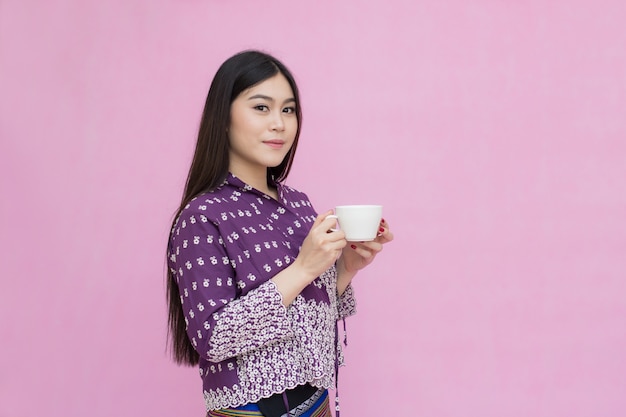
(345,292)
(291,281)
(344,277)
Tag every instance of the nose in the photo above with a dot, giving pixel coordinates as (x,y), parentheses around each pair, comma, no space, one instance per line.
(277,123)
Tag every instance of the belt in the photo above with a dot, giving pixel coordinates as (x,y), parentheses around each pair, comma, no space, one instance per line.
(279,404)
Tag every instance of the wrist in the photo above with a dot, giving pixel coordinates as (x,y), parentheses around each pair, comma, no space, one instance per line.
(302,273)
(344,277)
(291,281)
(342,271)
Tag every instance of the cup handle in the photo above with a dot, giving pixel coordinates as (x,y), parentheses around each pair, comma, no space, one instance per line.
(332,216)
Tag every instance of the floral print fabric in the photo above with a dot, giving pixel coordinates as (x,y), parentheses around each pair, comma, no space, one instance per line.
(225,247)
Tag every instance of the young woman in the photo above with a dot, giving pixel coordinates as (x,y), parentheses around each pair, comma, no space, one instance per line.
(257,280)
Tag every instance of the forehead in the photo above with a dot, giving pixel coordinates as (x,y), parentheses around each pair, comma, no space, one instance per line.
(276,87)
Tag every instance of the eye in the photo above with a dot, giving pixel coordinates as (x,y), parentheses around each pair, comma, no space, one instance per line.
(289,110)
(261,107)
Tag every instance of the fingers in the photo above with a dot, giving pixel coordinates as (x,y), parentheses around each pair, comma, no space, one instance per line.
(372,248)
(321,218)
(362,252)
(325,224)
(373,245)
(384,233)
(321,248)
(367,249)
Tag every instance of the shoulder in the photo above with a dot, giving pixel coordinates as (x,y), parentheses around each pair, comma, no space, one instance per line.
(191,219)
(204,207)
(295,198)
(207,206)
(292,192)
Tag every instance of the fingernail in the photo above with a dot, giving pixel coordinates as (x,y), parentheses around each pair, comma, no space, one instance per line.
(353,246)
(382,221)
(382,229)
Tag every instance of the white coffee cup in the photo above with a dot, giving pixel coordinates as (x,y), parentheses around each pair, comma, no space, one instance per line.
(360,223)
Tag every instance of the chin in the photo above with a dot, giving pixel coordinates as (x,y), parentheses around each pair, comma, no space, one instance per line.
(275,162)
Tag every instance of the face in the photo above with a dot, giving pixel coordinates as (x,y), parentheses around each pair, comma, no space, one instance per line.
(263,127)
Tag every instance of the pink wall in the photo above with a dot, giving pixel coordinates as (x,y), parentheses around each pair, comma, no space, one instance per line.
(493,132)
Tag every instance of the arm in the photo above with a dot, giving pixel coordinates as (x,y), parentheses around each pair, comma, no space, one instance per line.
(219,324)
(345,292)
(319,251)
(355,257)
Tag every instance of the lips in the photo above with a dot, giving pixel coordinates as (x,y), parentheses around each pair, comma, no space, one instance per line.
(274,143)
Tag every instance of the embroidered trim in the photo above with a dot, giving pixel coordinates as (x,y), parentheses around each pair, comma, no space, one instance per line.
(249,323)
(305,406)
(307,355)
(347,303)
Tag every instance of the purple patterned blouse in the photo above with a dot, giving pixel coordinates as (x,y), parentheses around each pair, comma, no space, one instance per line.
(226,245)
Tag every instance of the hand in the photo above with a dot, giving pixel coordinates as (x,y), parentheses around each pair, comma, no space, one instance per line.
(322,246)
(357,255)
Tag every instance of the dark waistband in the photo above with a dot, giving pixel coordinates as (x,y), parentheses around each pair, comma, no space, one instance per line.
(275,406)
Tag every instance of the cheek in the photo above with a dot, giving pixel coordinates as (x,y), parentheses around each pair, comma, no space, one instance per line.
(293,127)
(240,120)
(239,128)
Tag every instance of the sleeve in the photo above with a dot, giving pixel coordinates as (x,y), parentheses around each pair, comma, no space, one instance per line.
(347,303)
(219,324)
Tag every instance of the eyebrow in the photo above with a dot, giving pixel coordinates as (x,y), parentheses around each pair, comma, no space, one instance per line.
(268,98)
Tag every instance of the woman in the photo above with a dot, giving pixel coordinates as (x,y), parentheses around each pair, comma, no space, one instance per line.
(257,280)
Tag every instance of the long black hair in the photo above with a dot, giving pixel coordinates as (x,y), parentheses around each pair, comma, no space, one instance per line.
(209,167)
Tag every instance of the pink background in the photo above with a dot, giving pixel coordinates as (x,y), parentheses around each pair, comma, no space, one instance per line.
(493,132)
